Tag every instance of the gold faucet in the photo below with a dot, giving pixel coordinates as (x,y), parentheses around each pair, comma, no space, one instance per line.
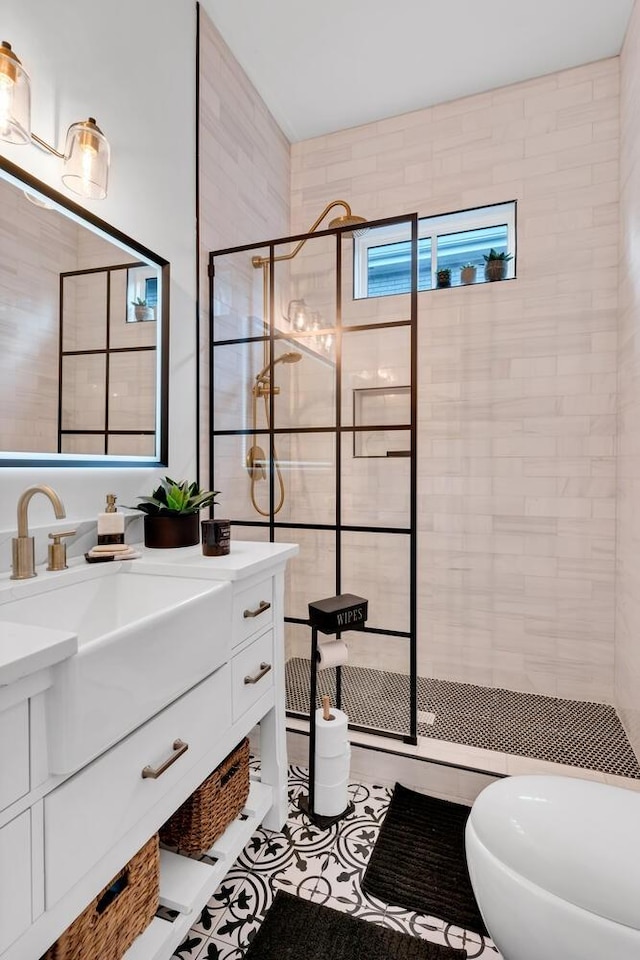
(23,554)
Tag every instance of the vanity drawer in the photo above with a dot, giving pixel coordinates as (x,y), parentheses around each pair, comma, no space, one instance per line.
(87,815)
(252,673)
(15,879)
(252,610)
(14,753)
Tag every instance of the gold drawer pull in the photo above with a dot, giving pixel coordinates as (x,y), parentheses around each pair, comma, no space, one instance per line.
(262,606)
(264,669)
(179,747)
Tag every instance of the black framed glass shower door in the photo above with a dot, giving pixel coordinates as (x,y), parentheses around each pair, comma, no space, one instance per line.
(312,439)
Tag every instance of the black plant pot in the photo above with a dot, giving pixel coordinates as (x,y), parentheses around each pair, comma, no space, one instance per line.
(169,532)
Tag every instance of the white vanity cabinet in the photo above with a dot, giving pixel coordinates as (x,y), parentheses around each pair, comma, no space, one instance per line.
(62,838)
(15,878)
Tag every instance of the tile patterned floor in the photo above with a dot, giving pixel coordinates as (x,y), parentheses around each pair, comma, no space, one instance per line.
(578,733)
(323,866)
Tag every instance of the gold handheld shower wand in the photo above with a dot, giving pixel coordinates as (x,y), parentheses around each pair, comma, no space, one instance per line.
(255,460)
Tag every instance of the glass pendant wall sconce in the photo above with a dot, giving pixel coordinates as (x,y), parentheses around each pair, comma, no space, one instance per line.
(86,155)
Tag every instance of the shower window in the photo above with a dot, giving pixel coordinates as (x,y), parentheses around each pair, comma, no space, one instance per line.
(382,261)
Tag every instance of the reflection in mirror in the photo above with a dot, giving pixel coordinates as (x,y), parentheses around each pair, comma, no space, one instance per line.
(83,335)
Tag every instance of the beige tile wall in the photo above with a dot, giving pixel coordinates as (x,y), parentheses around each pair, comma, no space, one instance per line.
(35,246)
(244,196)
(517,380)
(627,674)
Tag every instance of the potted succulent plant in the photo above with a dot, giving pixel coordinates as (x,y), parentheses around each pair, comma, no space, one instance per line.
(444,277)
(141,310)
(468,273)
(172,513)
(495,265)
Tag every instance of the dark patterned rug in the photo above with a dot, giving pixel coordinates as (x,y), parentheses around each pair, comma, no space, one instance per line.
(295,929)
(418,861)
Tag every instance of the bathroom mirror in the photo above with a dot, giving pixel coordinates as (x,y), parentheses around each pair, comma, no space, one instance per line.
(84,335)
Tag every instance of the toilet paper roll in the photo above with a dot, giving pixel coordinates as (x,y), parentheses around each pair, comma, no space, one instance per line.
(331,799)
(333,654)
(333,769)
(332,737)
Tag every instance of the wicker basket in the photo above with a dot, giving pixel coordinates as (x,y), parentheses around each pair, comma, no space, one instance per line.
(112,921)
(207,813)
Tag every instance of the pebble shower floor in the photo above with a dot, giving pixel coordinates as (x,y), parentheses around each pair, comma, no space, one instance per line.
(574,732)
(325,866)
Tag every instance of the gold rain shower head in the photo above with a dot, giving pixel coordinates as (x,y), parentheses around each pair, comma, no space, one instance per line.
(348,219)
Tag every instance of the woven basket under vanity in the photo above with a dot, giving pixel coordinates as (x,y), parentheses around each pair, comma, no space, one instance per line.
(120,913)
(207,813)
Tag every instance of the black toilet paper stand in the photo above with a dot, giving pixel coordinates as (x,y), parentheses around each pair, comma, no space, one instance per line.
(331,616)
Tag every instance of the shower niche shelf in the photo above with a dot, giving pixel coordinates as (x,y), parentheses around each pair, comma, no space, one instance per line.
(382,407)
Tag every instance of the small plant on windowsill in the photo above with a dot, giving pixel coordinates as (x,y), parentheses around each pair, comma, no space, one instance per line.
(141,310)
(468,273)
(443,277)
(172,513)
(495,264)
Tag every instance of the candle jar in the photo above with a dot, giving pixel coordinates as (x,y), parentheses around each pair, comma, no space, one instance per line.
(216,537)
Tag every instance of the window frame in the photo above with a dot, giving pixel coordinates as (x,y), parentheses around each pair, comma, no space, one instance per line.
(459,221)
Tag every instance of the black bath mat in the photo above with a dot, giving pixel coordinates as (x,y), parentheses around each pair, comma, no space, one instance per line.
(418,861)
(295,929)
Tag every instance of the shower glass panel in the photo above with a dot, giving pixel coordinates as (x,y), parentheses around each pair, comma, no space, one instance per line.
(358,308)
(248,532)
(304,313)
(308,465)
(235,366)
(376,490)
(315,564)
(238,292)
(382,559)
(307,398)
(308,386)
(379,358)
(230,452)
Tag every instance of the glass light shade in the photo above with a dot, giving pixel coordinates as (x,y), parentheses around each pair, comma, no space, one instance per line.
(86,160)
(298,314)
(15,98)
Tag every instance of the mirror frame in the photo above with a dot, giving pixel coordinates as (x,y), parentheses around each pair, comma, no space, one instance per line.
(79,213)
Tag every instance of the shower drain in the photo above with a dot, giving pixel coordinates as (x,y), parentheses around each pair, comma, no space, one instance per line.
(424,716)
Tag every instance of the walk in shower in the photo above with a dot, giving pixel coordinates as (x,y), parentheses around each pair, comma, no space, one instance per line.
(313,440)
(314,421)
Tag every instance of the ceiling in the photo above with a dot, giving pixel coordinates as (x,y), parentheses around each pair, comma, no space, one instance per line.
(324,65)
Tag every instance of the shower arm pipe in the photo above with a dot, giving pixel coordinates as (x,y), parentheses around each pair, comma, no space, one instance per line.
(263,261)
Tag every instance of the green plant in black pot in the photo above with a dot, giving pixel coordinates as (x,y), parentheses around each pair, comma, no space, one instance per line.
(495,264)
(172,513)
(444,277)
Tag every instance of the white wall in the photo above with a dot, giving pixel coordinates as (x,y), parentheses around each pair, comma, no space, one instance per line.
(132,66)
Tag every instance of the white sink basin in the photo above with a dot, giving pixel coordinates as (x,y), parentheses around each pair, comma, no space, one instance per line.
(143,640)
